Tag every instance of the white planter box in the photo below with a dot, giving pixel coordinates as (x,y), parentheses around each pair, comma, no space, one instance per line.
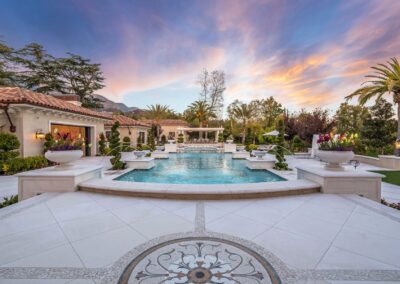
(63,157)
(335,158)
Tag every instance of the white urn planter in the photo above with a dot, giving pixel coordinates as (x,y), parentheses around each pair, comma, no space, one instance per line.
(335,158)
(63,157)
(139,154)
(171,141)
(240,148)
(229,141)
(259,154)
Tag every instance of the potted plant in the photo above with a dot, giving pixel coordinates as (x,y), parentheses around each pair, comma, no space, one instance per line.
(229,140)
(64,150)
(336,149)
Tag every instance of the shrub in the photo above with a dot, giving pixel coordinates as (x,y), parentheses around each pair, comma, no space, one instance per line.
(163,139)
(102,144)
(126,144)
(20,164)
(298,144)
(180,138)
(8,142)
(145,147)
(7,201)
(251,147)
(220,137)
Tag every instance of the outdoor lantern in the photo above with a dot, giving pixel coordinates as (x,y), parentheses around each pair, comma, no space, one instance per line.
(39,134)
(397,146)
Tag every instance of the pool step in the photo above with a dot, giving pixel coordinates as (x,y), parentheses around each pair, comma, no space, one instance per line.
(201,191)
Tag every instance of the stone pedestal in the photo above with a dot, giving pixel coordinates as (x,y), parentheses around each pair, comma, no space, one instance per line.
(171,148)
(54,179)
(240,155)
(259,164)
(229,148)
(159,155)
(140,164)
(348,181)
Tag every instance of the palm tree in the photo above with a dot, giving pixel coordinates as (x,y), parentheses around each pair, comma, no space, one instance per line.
(201,111)
(386,79)
(243,112)
(158,112)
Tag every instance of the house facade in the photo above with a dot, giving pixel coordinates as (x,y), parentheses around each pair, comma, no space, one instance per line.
(168,127)
(30,115)
(136,130)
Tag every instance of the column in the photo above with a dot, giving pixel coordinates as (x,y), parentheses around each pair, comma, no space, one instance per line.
(216,136)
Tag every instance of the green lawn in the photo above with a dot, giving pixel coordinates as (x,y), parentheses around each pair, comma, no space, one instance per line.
(392,177)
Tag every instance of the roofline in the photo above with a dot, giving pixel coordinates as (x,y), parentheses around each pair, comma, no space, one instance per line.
(56,109)
(24,101)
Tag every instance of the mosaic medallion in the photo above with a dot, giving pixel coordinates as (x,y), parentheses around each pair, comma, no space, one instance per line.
(199,260)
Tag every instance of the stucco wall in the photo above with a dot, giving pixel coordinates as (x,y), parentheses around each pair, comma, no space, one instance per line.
(28,121)
(170,128)
(124,132)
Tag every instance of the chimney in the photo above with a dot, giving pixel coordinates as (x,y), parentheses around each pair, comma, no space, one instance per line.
(71,98)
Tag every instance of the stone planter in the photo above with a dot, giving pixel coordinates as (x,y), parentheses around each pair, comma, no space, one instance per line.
(139,154)
(240,148)
(171,141)
(160,148)
(335,158)
(229,141)
(259,154)
(63,157)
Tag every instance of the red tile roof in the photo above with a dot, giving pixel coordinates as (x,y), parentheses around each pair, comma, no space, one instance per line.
(15,95)
(168,122)
(127,121)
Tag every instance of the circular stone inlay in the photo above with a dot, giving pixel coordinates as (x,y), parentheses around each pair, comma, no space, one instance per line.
(199,260)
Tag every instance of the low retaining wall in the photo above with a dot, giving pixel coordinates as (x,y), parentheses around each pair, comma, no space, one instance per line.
(384,161)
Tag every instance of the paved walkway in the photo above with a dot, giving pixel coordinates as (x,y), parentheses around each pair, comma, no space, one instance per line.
(81,237)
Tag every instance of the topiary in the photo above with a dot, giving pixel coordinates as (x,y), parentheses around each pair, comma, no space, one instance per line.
(281,164)
(151,142)
(180,138)
(102,144)
(126,144)
(115,150)
(48,142)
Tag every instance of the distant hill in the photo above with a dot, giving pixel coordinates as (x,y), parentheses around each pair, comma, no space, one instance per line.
(111,106)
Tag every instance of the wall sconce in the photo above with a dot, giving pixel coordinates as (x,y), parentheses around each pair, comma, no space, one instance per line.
(39,134)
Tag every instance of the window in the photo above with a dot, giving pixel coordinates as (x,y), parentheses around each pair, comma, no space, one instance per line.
(141,137)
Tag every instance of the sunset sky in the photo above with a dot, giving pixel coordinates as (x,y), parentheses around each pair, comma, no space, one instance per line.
(304,53)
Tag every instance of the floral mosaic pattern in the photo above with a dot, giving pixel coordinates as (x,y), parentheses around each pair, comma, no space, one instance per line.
(200,261)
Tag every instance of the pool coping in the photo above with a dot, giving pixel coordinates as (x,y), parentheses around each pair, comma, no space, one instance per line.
(200,191)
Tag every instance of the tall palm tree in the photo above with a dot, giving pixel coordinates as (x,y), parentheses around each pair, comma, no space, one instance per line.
(386,79)
(201,111)
(157,112)
(243,112)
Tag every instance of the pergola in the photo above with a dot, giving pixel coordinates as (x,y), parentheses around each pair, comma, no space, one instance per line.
(185,130)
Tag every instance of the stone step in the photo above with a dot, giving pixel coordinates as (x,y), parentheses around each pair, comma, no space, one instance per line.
(201,191)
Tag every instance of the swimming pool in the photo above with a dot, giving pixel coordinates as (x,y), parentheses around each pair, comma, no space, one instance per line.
(200,168)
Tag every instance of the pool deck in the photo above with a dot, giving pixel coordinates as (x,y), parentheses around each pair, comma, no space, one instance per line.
(81,237)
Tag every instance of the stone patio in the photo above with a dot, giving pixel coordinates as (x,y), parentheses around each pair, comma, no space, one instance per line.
(81,237)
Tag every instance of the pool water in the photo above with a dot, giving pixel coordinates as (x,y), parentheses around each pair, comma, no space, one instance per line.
(200,168)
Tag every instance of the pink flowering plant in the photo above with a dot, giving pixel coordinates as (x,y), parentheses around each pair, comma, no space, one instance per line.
(338,142)
(64,142)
